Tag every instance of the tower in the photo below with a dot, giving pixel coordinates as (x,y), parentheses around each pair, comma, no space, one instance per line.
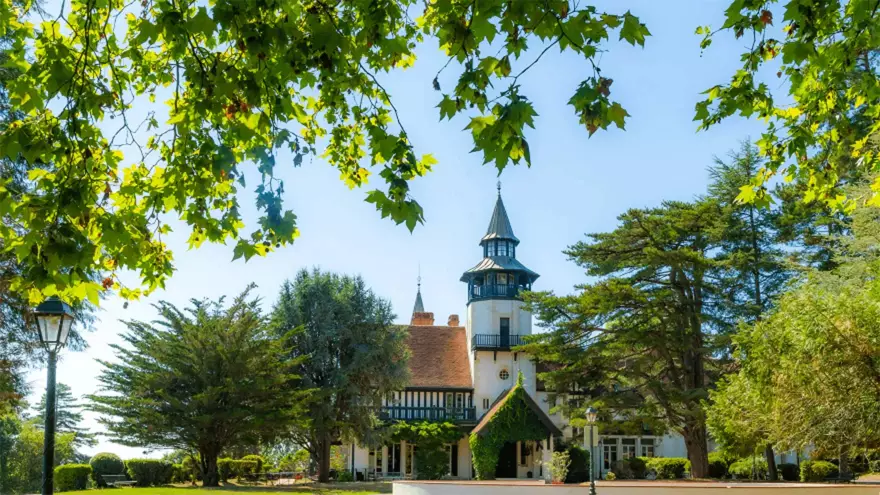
(496,320)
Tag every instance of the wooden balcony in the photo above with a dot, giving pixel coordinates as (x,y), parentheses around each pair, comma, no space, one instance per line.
(406,413)
(495,342)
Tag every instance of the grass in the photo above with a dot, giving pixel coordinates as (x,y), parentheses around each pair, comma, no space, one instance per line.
(230,489)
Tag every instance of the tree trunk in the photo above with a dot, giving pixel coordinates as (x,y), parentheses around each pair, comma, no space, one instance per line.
(210,475)
(843,461)
(695,440)
(324,459)
(772,473)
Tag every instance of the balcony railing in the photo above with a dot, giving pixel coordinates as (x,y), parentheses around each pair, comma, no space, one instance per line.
(405,413)
(494,290)
(495,342)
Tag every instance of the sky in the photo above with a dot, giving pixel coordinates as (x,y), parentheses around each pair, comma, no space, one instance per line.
(576,185)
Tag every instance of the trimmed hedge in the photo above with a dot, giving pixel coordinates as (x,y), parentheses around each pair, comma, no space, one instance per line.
(669,468)
(225,469)
(788,472)
(817,470)
(259,460)
(579,469)
(69,477)
(718,465)
(149,472)
(244,467)
(105,463)
(631,468)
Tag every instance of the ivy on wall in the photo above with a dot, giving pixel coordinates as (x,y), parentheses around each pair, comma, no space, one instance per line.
(513,422)
(431,438)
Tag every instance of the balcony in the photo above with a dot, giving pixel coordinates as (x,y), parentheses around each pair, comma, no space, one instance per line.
(495,342)
(405,413)
(494,290)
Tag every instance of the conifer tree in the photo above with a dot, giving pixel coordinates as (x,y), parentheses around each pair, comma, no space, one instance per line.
(68,416)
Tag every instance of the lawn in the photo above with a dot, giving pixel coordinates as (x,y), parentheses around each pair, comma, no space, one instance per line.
(314,488)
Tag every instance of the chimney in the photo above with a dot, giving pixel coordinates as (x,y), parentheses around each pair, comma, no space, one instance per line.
(453,321)
(420,319)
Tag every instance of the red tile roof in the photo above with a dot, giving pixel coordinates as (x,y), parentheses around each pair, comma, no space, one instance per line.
(438,357)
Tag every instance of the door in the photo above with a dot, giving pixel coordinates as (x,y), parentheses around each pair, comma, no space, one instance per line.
(505,332)
(506,467)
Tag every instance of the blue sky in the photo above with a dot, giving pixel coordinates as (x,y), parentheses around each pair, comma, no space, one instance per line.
(576,185)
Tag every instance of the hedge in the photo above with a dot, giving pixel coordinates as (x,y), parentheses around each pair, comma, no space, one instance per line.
(788,472)
(817,470)
(149,472)
(631,468)
(69,477)
(669,468)
(244,467)
(179,474)
(259,460)
(750,468)
(718,465)
(579,470)
(225,469)
(105,463)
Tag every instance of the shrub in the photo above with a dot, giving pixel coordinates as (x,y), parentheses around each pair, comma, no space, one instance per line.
(105,463)
(69,477)
(817,470)
(750,468)
(579,470)
(225,469)
(149,472)
(193,468)
(432,462)
(874,466)
(630,468)
(718,465)
(259,460)
(345,476)
(669,468)
(179,473)
(242,468)
(559,464)
(610,476)
(788,472)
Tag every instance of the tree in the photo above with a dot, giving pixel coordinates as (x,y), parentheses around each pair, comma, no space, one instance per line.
(811,362)
(349,353)
(246,80)
(642,336)
(68,416)
(25,459)
(825,127)
(198,379)
(753,265)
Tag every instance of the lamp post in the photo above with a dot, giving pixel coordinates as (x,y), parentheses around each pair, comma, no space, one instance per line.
(592,413)
(54,318)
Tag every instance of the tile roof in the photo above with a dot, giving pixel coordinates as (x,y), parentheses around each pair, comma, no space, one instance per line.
(529,402)
(438,357)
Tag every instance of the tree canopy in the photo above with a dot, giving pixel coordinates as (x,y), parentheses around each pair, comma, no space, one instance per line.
(240,81)
(199,379)
(68,416)
(825,127)
(349,353)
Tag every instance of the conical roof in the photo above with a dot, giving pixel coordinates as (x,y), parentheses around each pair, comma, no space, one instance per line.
(419,307)
(499,224)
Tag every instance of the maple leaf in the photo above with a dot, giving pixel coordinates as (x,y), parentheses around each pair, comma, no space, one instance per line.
(766,17)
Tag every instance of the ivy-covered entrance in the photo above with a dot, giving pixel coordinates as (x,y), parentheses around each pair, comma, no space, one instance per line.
(515,417)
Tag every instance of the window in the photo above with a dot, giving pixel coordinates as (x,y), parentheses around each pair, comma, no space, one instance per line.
(628,447)
(490,248)
(459,400)
(504,374)
(501,279)
(525,450)
(647,447)
(378,455)
(502,248)
(505,326)
(609,452)
(485,403)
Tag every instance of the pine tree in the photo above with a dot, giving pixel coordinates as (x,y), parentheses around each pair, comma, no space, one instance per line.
(642,336)
(68,416)
(201,379)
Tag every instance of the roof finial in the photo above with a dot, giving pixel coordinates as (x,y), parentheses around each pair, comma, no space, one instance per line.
(419,278)
(499,188)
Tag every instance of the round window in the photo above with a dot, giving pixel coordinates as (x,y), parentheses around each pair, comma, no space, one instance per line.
(504,374)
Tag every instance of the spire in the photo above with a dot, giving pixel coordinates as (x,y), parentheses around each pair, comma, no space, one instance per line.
(419,307)
(499,224)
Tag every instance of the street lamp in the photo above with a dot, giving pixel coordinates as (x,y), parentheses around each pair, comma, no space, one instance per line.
(592,413)
(54,318)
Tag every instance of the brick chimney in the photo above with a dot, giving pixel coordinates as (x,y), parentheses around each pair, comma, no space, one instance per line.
(453,321)
(422,319)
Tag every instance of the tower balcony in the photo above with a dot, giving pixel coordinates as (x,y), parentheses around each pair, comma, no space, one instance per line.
(493,290)
(495,342)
